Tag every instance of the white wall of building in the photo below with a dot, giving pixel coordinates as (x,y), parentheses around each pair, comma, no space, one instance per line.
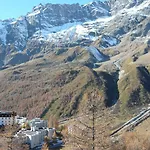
(20,120)
(6,121)
(7,118)
(51,132)
(36,135)
(37,122)
(35,138)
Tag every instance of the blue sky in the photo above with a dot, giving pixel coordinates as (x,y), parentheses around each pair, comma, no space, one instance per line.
(16,8)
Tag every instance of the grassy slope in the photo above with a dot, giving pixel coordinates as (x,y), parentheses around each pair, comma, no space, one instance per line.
(58,83)
(134,87)
(40,88)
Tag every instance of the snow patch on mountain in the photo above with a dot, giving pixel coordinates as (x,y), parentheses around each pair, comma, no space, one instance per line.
(21,32)
(97,7)
(71,32)
(81,30)
(3,32)
(137,9)
(96,53)
(36,12)
(108,41)
(57,32)
(63,27)
(100,22)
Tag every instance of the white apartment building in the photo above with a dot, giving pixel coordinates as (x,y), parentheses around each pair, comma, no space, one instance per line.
(37,123)
(7,118)
(35,138)
(36,135)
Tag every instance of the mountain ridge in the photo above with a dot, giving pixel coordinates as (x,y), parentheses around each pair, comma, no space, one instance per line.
(60,29)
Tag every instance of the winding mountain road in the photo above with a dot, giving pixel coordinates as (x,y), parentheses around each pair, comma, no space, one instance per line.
(143,115)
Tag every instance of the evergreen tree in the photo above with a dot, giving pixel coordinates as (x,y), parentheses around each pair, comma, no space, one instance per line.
(90,130)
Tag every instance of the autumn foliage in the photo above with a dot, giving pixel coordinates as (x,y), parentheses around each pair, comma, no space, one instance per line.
(132,141)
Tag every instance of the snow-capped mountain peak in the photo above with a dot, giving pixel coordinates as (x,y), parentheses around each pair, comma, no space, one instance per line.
(65,24)
(50,18)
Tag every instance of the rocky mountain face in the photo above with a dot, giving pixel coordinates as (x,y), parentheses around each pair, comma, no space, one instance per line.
(47,19)
(116,5)
(65,25)
(102,39)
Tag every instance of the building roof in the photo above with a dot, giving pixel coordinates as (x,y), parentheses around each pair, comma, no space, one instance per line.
(7,113)
(29,132)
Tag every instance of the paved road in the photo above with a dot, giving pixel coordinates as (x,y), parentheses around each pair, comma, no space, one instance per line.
(134,121)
